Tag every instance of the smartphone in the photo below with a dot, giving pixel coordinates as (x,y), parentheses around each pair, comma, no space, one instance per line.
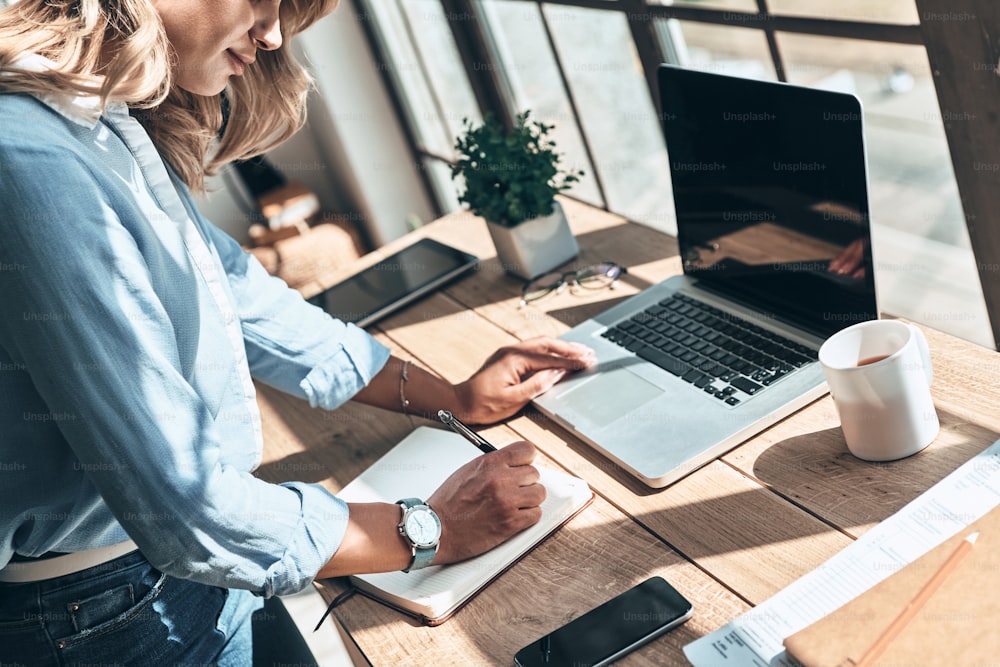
(397,280)
(606,633)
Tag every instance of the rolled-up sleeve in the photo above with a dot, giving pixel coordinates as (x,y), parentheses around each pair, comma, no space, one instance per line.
(292,344)
(87,320)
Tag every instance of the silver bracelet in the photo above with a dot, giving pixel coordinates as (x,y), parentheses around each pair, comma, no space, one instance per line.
(404,377)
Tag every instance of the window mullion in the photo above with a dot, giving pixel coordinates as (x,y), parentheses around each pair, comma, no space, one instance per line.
(571,100)
(641,24)
(424,71)
(394,90)
(772,43)
(878,32)
(470,39)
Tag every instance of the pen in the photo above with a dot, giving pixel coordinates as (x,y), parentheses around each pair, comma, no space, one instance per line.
(452,422)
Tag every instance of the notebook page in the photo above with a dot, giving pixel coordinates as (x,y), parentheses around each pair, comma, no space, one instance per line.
(440,587)
(415,468)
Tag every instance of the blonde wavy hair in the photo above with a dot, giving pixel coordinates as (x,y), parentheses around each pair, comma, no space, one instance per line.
(265,106)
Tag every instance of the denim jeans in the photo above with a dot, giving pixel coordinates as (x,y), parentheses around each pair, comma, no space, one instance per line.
(124,612)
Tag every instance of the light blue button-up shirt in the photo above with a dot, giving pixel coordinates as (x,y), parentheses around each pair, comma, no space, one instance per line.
(129,328)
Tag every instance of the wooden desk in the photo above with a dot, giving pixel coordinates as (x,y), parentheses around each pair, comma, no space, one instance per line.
(728,536)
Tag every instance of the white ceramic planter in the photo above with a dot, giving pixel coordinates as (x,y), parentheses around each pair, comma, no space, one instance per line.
(535,246)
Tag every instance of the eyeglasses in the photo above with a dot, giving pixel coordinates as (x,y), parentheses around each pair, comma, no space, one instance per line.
(598,276)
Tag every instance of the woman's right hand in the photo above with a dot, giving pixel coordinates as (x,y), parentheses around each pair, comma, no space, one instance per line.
(482,504)
(487,501)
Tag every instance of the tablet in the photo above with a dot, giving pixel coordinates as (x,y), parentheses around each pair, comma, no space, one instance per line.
(397,280)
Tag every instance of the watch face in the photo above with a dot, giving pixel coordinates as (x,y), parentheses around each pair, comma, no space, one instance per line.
(423,527)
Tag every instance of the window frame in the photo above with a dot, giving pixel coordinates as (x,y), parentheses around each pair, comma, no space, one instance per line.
(949,44)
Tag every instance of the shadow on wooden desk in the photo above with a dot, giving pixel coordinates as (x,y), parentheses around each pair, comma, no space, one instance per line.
(569,573)
(300,440)
(817,472)
(599,554)
(698,529)
(738,514)
(728,536)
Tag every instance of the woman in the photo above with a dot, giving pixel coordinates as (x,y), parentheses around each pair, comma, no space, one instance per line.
(131,529)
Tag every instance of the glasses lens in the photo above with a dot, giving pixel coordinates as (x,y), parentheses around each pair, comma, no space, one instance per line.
(599,275)
(540,286)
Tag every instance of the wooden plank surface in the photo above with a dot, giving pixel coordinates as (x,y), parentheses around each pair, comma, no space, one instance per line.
(597,555)
(752,539)
(738,531)
(804,457)
(728,536)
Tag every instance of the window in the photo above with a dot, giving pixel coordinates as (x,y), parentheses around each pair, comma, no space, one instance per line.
(587,67)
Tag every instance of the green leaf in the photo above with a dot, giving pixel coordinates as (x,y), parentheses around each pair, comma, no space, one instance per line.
(509,176)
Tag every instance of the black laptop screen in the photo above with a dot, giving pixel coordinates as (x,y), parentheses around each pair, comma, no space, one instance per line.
(770,192)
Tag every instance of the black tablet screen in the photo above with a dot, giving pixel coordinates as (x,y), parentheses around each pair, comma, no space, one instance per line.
(398,279)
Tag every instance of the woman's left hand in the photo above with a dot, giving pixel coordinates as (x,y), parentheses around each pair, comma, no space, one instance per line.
(515,374)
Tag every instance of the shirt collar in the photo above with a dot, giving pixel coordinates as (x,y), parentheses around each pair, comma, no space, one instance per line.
(83,110)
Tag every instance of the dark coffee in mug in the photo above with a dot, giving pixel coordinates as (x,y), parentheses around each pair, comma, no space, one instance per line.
(872,360)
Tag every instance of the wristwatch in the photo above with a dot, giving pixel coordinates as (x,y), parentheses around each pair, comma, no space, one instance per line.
(421,527)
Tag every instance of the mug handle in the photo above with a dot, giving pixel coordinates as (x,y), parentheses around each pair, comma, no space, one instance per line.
(925,353)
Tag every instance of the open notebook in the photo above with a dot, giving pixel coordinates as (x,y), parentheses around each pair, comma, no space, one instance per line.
(416,467)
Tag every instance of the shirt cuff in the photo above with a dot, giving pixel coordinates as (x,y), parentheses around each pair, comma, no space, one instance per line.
(324,522)
(347,372)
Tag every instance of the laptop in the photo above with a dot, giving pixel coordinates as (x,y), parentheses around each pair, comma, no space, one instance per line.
(771,195)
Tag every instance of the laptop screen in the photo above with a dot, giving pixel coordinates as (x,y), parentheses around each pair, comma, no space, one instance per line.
(771,196)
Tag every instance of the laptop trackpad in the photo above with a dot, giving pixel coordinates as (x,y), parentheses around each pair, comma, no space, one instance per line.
(607,397)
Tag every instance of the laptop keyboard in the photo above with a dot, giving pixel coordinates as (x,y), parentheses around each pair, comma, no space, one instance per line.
(715,351)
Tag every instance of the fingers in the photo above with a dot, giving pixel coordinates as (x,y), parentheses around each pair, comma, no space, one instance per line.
(520,453)
(852,259)
(531,497)
(533,361)
(522,505)
(531,516)
(536,354)
(519,391)
(537,384)
(533,386)
(515,374)
(519,456)
(848,260)
(514,522)
(547,347)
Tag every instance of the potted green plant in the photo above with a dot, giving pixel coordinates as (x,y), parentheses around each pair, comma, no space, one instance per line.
(511,180)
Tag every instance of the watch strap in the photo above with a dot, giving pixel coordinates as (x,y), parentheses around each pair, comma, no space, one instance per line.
(422,557)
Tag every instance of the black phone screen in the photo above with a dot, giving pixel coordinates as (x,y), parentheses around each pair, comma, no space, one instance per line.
(611,630)
(393,282)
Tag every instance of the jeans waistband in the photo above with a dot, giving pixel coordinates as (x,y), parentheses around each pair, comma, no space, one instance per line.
(50,568)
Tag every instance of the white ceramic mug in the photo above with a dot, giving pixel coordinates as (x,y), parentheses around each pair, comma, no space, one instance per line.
(879,373)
